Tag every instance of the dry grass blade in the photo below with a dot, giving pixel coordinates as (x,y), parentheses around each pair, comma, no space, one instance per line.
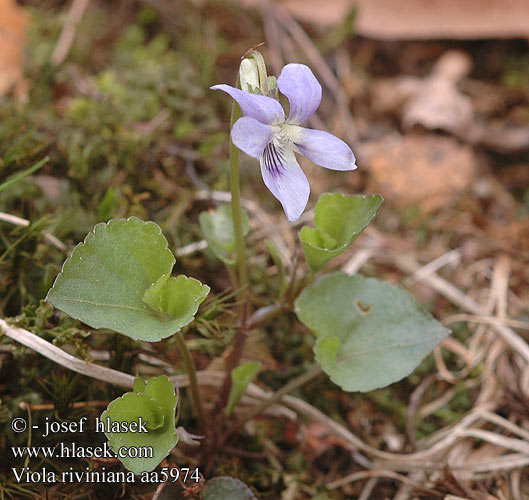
(388,461)
(66,38)
(62,358)
(408,264)
(489,320)
(19,221)
(356,476)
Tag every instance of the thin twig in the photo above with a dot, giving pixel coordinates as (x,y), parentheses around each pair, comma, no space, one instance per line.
(450,257)
(424,459)
(64,359)
(65,41)
(368,488)
(192,248)
(77,404)
(98,372)
(446,397)
(489,320)
(272,38)
(19,221)
(356,476)
(415,399)
(507,424)
(359,258)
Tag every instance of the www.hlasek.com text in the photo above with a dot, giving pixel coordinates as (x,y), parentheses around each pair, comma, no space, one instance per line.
(72,450)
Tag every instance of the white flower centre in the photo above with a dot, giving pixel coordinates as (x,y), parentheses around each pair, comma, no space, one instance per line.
(285,136)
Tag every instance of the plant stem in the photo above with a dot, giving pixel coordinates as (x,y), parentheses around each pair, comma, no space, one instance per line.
(286,389)
(235,355)
(240,250)
(193,384)
(240,286)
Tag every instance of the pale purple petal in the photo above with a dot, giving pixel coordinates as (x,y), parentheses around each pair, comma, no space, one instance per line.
(251,136)
(299,84)
(261,108)
(285,179)
(324,149)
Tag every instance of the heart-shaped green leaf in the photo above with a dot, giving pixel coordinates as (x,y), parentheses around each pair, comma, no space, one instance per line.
(118,278)
(241,376)
(369,333)
(217,227)
(339,220)
(227,488)
(152,407)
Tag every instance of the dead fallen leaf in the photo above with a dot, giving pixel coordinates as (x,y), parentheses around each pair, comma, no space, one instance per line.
(423,170)
(418,19)
(13,22)
(438,103)
(434,102)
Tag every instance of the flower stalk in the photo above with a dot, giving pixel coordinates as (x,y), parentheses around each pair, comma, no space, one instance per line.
(241,286)
(235,187)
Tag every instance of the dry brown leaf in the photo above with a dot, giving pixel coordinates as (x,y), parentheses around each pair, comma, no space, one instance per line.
(434,102)
(424,170)
(418,19)
(13,22)
(438,103)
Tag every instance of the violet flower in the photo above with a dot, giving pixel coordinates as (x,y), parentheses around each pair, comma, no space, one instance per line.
(264,133)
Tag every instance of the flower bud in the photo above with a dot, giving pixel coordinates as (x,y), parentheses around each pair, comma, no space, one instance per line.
(253,77)
(249,75)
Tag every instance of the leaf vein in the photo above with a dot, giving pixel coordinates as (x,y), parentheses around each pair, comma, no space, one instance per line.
(101,304)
